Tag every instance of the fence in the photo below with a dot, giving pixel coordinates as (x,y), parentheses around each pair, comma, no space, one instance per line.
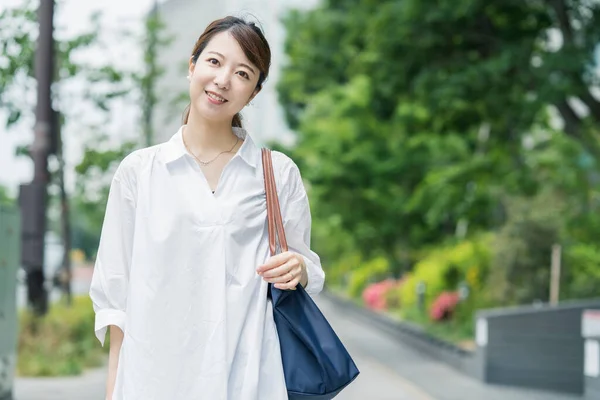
(534,346)
(9,264)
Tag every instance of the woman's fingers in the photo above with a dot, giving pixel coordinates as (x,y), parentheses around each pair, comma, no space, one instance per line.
(286,274)
(289,284)
(275,261)
(283,270)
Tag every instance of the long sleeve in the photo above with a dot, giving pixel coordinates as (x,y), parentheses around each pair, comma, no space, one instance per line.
(109,285)
(297,224)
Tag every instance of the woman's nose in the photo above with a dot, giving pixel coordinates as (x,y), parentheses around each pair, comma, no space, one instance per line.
(222,79)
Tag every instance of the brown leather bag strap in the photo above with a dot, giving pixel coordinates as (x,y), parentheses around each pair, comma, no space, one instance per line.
(274,220)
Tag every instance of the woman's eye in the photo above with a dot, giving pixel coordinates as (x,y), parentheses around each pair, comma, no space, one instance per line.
(213,61)
(244,75)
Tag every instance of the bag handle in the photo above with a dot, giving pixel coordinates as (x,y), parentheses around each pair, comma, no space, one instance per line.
(274,220)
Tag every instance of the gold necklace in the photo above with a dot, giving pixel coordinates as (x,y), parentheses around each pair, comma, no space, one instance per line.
(205,163)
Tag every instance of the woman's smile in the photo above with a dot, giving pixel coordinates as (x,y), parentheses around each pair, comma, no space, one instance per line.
(215,98)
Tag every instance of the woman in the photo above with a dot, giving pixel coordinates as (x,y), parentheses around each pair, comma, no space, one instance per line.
(183,265)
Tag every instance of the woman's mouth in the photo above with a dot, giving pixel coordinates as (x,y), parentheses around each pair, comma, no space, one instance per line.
(215,98)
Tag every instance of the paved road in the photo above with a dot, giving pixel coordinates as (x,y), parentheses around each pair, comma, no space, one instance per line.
(420,376)
(377,380)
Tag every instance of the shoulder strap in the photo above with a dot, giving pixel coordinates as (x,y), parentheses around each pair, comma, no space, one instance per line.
(274,220)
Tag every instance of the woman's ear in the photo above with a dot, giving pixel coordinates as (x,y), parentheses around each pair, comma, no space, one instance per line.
(191,67)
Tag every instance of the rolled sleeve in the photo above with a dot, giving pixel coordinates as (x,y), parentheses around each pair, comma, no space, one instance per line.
(110,280)
(105,318)
(297,224)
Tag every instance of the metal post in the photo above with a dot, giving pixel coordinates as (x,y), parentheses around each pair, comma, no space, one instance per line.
(555,275)
(421,290)
(33,196)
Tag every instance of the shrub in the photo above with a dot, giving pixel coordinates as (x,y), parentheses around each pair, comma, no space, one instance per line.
(339,272)
(442,269)
(336,247)
(60,343)
(371,271)
(375,296)
(444,306)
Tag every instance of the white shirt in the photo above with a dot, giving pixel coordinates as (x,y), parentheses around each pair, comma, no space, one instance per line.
(176,271)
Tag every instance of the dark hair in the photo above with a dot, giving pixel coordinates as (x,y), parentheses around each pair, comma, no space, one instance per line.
(251,40)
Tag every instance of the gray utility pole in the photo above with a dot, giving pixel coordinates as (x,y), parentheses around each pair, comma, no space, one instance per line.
(33,196)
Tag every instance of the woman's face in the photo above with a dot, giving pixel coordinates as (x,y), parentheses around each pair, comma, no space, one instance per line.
(222,80)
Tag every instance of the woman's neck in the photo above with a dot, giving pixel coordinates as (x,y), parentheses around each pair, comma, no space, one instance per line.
(205,138)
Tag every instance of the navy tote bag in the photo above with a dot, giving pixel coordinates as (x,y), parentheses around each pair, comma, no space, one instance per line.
(315,363)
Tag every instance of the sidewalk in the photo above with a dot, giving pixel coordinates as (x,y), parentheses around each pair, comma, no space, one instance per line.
(89,386)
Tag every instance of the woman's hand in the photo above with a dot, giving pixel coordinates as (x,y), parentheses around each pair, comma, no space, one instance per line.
(285,271)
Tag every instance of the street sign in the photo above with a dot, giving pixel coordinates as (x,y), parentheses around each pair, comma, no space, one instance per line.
(590,324)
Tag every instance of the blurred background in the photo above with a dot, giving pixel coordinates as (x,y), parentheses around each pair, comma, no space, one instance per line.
(450,150)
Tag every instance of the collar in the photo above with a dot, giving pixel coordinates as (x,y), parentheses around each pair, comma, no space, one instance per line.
(174,149)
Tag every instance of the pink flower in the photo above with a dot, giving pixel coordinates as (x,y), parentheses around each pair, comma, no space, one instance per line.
(444,306)
(374,295)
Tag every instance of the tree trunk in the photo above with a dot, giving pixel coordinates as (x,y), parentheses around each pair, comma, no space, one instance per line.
(561,11)
(570,118)
(592,104)
(65,223)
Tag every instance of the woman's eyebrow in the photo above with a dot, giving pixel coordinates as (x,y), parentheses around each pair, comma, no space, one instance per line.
(241,64)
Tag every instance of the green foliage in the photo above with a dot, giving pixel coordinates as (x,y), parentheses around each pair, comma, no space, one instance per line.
(581,271)
(100,160)
(417,120)
(17,29)
(338,272)
(522,251)
(368,272)
(444,268)
(464,61)
(106,83)
(459,331)
(18,32)
(154,39)
(378,181)
(60,343)
(414,120)
(94,174)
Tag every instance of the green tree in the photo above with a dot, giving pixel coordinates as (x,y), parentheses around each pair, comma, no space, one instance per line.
(80,86)
(105,84)
(416,118)
(154,38)
(101,158)
(468,62)
(94,174)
